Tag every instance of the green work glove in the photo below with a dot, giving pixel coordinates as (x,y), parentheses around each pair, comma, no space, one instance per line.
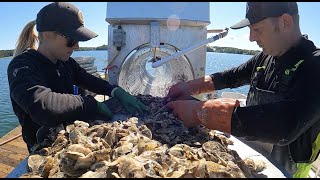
(104,110)
(129,102)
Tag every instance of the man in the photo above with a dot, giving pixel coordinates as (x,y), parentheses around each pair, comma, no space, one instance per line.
(283,104)
(41,80)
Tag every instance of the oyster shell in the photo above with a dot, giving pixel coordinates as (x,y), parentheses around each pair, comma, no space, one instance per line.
(155,145)
(36,163)
(129,167)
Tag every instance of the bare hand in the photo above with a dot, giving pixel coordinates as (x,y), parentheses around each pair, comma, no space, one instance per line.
(178,91)
(185,111)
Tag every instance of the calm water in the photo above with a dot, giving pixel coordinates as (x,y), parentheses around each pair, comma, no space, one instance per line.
(8,120)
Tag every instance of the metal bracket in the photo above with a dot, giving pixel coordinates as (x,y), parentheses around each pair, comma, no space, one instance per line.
(119,37)
(155,34)
(154,38)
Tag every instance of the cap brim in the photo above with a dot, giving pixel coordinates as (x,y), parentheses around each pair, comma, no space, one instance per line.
(81,34)
(241,24)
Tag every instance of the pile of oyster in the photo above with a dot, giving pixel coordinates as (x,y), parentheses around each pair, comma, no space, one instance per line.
(155,145)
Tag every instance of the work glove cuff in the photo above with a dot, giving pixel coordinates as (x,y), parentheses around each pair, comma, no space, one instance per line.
(112,92)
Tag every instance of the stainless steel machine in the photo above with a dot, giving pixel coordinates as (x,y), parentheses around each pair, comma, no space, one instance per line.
(141,33)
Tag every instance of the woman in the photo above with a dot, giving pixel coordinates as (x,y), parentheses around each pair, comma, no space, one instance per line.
(41,80)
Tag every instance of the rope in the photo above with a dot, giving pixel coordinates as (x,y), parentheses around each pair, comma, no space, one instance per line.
(8,140)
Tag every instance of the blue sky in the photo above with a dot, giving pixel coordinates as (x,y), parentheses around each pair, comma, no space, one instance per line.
(14,15)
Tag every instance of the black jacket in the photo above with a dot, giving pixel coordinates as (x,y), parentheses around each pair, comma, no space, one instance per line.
(274,122)
(42,92)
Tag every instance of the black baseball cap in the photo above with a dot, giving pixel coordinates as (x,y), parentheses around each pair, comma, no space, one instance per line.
(257,11)
(64,18)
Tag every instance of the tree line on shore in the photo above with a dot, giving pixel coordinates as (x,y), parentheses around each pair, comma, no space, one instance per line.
(8,53)
(231,50)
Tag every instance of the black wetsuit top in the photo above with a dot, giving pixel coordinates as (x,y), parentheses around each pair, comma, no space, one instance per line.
(42,92)
(291,120)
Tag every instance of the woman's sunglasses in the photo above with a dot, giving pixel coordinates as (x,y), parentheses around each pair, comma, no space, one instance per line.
(70,42)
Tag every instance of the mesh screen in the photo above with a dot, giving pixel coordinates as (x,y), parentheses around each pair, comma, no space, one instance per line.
(138,77)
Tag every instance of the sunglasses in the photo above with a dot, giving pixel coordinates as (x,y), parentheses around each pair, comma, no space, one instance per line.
(70,42)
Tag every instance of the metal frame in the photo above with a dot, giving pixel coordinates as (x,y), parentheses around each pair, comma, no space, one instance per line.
(138,35)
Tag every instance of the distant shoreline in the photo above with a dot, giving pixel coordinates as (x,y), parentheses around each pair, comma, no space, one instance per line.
(8,53)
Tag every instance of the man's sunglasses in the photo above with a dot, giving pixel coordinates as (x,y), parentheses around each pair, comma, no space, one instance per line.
(70,42)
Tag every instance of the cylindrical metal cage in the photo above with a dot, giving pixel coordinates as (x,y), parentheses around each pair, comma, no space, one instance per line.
(138,77)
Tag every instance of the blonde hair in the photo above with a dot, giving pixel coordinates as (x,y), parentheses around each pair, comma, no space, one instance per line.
(27,39)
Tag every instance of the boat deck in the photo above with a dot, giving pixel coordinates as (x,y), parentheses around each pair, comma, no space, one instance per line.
(12,151)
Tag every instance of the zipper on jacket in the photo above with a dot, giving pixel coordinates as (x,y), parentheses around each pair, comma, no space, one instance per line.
(58,72)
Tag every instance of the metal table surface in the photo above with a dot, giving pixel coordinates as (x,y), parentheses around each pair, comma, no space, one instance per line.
(246,151)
